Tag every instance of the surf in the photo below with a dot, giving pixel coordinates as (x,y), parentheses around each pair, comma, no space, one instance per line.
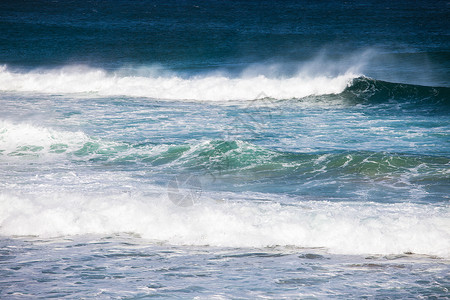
(342,228)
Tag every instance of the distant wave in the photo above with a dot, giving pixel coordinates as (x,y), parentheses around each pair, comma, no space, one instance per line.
(346,228)
(77,79)
(352,88)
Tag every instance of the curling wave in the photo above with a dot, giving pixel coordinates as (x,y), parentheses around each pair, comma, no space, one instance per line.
(370,91)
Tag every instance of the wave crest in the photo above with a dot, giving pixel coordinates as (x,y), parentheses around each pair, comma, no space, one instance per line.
(213,87)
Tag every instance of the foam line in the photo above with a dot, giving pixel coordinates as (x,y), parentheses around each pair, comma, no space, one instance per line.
(345,228)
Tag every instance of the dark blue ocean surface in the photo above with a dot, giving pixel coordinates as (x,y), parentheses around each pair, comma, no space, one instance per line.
(224,149)
(226,34)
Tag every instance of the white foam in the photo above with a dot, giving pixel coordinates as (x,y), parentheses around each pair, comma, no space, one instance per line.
(345,228)
(27,139)
(14,136)
(80,79)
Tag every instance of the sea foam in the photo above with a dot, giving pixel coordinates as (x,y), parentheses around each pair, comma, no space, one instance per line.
(27,138)
(209,87)
(344,227)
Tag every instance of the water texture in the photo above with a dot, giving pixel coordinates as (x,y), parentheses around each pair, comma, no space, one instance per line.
(224,149)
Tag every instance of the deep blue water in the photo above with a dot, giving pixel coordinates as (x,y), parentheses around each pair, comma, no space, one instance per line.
(190,35)
(224,149)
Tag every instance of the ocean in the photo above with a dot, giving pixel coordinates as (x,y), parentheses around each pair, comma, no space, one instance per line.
(224,149)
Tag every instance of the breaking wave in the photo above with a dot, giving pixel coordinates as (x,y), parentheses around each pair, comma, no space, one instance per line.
(77,79)
(346,228)
(349,87)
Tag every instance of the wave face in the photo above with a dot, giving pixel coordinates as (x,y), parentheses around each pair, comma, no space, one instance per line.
(208,87)
(367,90)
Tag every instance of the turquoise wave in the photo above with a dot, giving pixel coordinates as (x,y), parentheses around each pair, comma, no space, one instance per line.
(235,157)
